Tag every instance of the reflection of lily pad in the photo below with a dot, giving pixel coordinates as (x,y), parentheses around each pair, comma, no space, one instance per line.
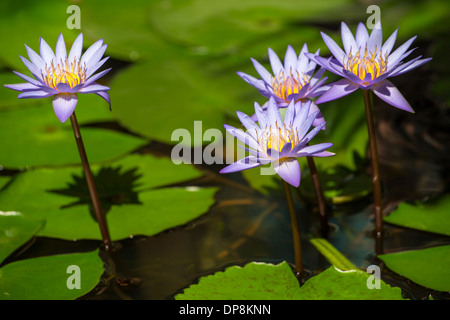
(48,278)
(427,267)
(260,281)
(34,136)
(431,216)
(16,230)
(33,193)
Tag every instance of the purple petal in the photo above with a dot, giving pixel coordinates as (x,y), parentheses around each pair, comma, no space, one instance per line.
(244,137)
(319,118)
(289,170)
(242,164)
(389,43)
(35,58)
(93,88)
(337,52)
(265,75)
(376,38)
(361,36)
(248,123)
(257,83)
(396,56)
(46,52)
(63,87)
(96,76)
(275,62)
(348,40)
(33,69)
(91,51)
(22,87)
(60,52)
(28,79)
(64,104)
(261,116)
(290,114)
(273,114)
(77,47)
(387,91)
(95,59)
(414,64)
(339,89)
(324,154)
(36,94)
(105,96)
(311,150)
(290,60)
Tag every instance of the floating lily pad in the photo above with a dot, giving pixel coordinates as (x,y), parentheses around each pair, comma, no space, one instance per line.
(16,230)
(126,190)
(254,281)
(27,21)
(261,281)
(158,97)
(334,284)
(35,137)
(48,278)
(432,216)
(426,267)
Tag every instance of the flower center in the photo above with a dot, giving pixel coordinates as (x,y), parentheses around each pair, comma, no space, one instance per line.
(284,86)
(371,62)
(71,73)
(276,138)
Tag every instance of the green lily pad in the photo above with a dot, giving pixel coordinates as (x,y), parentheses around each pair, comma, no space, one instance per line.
(261,281)
(50,277)
(432,216)
(426,267)
(254,281)
(334,284)
(16,230)
(35,137)
(168,95)
(27,21)
(126,190)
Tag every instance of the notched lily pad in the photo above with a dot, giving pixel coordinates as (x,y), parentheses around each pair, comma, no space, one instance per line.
(60,197)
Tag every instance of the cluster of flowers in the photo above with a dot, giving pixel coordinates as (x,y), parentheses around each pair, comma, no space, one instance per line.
(365,63)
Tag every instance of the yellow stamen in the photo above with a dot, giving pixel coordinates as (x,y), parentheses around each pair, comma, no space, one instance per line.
(71,73)
(370,62)
(276,138)
(284,86)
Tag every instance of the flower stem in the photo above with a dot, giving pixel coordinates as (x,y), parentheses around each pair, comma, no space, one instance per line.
(90,181)
(378,207)
(295,231)
(324,227)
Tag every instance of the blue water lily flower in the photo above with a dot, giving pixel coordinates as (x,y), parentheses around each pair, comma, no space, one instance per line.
(366,63)
(277,141)
(63,76)
(295,79)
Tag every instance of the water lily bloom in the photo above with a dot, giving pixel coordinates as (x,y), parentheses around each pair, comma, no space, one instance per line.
(366,63)
(63,76)
(277,141)
(295,79)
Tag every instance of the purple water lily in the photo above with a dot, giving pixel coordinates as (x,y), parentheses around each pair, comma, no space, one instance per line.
(63,76)
(279,142)
(366,63)
(296,79)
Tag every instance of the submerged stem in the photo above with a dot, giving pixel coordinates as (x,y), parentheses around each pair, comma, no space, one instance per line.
(324,227)
(295,231)
(91,185)
(378,207)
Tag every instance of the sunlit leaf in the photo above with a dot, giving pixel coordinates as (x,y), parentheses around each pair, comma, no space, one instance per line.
(16,230)
(36,137)
(431,216)
(426,267)
(132,207)
(49,278)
